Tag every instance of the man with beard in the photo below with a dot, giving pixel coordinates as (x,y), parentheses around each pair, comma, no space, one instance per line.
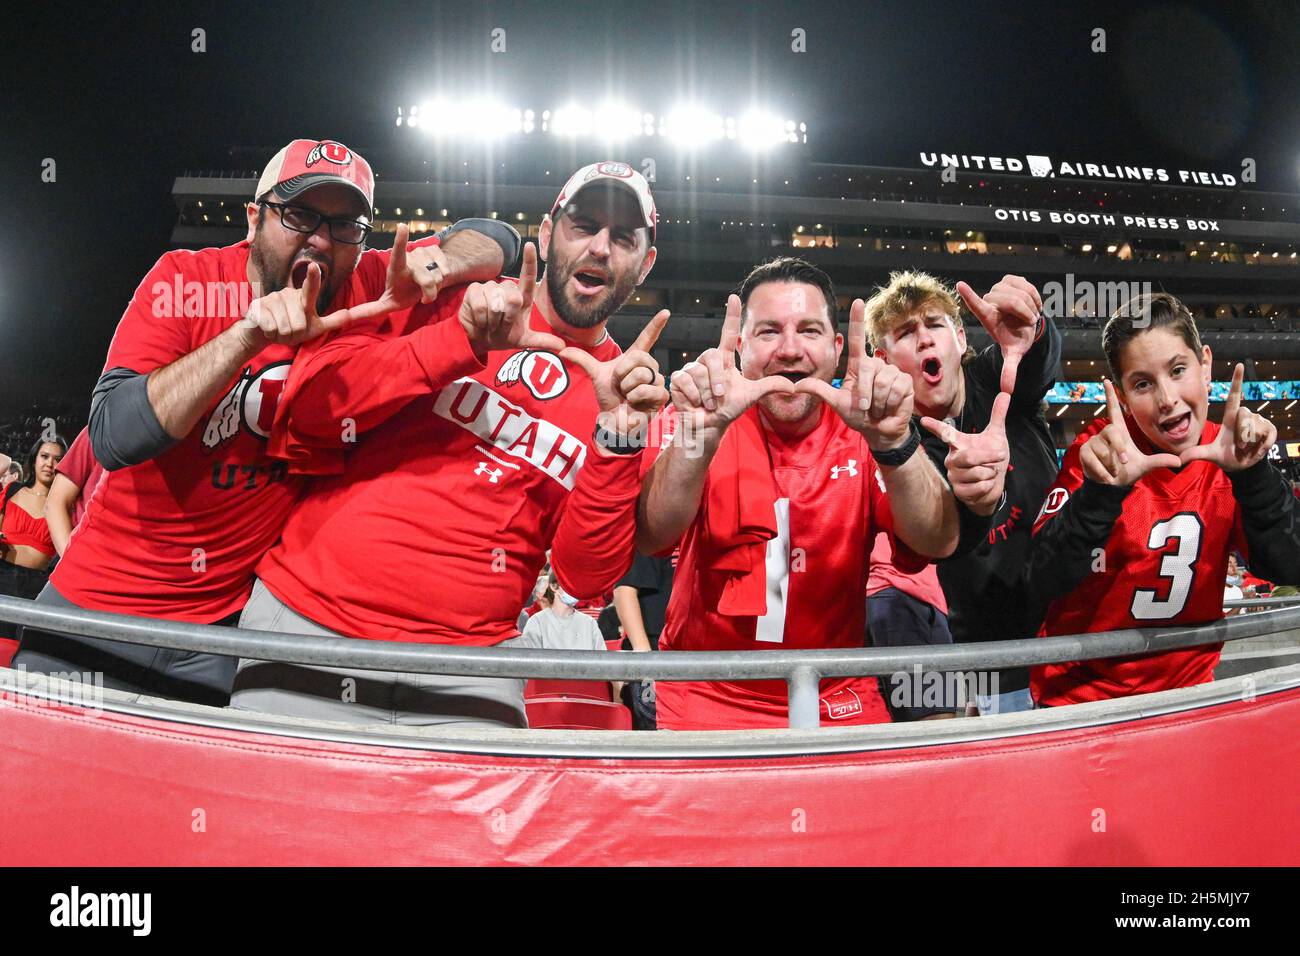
(770,485)
(458,446)
(914,324)
(180,417)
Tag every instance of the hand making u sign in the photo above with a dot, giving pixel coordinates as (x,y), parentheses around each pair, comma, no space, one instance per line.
(977,464)
(1111,457)
(875,398)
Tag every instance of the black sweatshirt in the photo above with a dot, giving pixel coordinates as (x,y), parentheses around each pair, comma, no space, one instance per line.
(985,587)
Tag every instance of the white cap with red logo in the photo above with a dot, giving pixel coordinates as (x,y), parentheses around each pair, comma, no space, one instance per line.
(621,173)
(305,163)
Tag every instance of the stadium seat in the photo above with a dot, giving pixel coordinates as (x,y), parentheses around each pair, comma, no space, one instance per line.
(562,713)
(581,689)
(616,645)
(8,649)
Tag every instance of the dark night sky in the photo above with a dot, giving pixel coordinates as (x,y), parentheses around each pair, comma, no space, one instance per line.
(123,105)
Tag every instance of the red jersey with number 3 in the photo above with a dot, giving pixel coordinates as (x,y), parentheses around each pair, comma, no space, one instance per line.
(177,536)
(1163,565)
(831,504)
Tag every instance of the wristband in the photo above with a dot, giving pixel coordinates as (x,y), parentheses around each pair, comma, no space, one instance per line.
(897,456)
(616,443)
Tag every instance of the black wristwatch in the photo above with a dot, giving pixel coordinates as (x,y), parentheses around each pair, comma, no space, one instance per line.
(897,456)
(618,444)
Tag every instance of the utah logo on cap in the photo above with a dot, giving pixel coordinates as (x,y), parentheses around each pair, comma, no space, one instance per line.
(335,153)
(621,170)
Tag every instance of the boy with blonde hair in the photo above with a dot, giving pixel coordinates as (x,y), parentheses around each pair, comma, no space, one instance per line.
(968,399)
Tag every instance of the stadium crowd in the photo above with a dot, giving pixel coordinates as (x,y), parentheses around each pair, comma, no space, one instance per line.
(402,445)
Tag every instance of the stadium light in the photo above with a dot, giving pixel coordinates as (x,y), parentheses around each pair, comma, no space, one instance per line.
(571,121)
(693,126)
(615,122)
(476,118)
(689,125)
(759,131)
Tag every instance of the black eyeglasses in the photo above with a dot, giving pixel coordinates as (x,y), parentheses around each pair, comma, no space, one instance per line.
(299,219)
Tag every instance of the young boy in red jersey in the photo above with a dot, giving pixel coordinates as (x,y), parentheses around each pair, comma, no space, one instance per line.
(1150,500)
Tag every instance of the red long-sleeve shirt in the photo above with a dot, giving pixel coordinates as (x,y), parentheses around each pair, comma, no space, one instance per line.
(456,478)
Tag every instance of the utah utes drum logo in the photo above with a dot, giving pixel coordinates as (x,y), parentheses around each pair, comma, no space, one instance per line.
(541,372)
(335,153)
(251,402)
(1053,503)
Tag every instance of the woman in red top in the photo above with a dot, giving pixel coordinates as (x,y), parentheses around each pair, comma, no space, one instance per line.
(26,548)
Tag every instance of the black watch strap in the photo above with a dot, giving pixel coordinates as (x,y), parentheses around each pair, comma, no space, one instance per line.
(618,444)
(896,456)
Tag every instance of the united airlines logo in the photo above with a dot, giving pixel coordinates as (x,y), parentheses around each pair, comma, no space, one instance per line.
(1040,166)
(478,409)
(542,373)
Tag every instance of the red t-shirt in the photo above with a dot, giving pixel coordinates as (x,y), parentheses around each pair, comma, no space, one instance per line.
(80,467)
(1164,565)
(460,478)
(177,536)
(923,585)
(830,506)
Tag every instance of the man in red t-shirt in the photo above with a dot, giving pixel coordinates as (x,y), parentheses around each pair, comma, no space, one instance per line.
(769,483)
(473,447)
(180,416)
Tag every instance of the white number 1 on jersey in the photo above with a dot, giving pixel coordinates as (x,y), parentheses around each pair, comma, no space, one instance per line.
(771,626)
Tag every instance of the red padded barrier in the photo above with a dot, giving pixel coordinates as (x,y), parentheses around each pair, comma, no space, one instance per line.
(1215,786)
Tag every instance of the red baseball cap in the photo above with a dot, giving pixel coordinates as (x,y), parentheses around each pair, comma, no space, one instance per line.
(305,163)
(621,173)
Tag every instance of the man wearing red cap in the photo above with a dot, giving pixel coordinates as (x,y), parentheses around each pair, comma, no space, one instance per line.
(182,412)
(473,455)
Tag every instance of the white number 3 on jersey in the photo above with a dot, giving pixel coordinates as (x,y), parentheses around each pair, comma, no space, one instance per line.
(1179,568)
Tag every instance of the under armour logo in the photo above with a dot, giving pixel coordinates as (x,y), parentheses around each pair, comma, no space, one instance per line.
(485,469)
(851,468)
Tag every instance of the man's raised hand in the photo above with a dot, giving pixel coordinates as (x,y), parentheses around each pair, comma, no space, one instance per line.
(497,315)
(977,464)
(1009,313)
(629,389)
(711,392)
(288,316)
(875,398)
(1110,456)
(1244,437)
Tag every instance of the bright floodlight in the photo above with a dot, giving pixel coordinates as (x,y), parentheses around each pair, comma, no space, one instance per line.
(614,122)
(759,130)
(692,126)
(471,119)
(571,121)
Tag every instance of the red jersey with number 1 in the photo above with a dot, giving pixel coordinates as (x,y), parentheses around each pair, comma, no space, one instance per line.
(830,506)
(1164,565)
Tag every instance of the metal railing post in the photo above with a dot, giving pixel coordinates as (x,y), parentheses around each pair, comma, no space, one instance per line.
(805,708)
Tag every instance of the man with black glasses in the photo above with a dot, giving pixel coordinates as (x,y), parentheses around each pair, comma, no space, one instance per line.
(181,415)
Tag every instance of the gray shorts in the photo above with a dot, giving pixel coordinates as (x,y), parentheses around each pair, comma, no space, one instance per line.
(365,697)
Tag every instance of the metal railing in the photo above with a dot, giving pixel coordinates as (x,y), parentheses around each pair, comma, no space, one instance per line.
(802,671)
